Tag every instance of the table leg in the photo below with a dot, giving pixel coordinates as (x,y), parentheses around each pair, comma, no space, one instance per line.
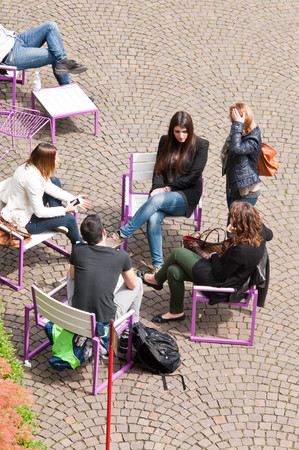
(53,129)
(32,100)
(96,126)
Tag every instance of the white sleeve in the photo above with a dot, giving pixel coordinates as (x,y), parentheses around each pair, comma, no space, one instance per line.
(35,189)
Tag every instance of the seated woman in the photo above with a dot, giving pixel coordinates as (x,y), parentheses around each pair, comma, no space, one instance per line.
(249,238)
(176,187)
(30,189)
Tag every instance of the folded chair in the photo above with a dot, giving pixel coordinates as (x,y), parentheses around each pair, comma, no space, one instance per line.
(141,171)
(11,74)
(20,122)
(199,296)
(79,322)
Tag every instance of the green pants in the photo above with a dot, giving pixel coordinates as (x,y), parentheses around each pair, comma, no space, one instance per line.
(177,269)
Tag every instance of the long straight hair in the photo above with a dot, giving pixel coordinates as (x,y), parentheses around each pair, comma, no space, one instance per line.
(247,223)
(43,158)
(172,145)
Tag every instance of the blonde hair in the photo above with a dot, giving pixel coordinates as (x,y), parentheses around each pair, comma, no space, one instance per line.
(249,117)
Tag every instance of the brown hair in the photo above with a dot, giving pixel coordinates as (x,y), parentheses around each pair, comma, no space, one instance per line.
(249,117)
(247,223)
(172,145)
(43,158)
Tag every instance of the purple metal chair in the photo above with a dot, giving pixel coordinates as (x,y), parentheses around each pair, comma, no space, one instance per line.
(141,171)
(198,296)
(47,308)
(12,76)
(20,122)
(36,239)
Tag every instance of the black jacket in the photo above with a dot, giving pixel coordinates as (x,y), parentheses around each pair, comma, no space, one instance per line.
(233,268)
(241,168)
(189,184)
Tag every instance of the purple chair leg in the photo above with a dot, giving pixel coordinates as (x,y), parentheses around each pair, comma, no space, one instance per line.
(246,303)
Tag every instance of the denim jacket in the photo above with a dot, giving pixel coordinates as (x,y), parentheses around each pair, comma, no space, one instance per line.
(241,168)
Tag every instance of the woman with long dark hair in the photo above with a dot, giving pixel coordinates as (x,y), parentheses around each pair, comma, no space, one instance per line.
(33,196)
(176,186)
(249,238)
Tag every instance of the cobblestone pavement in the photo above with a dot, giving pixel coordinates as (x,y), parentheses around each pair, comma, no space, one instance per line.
(148,59)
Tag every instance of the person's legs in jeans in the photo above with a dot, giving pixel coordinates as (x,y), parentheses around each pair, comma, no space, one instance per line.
(177,269)
(48,199)
(126,299)
(153,212)
(38,225)
(154,237)
(28,54)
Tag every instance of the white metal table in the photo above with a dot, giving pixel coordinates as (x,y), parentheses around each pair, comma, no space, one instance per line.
(64,101)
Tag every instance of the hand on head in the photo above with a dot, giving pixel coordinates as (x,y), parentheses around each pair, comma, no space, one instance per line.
(236,116)
(230,229)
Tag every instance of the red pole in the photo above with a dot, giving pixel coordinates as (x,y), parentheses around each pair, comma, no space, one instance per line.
(110,372)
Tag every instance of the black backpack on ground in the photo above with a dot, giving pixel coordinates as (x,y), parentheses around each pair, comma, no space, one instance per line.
(156,351)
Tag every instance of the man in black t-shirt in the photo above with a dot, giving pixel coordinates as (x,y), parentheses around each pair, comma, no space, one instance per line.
(104,280)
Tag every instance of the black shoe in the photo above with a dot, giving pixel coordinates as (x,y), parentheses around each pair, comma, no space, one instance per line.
(123,343)
(141,273)
(159,319)
(69,66)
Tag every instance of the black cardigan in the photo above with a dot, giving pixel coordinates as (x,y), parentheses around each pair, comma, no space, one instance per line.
(233,267)
(189,184)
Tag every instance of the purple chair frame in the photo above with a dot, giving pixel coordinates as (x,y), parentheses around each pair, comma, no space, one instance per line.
(37,238)
(146,172)
(75,321)
(198,296)
(20,122)
(12,78)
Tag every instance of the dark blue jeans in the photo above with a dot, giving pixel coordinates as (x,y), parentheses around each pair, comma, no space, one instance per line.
(38,225)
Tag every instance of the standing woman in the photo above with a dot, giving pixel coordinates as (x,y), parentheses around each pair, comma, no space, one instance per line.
(176,186)
(240,155)
(32,187)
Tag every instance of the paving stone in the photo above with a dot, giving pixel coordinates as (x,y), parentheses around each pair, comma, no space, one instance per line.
(147,60)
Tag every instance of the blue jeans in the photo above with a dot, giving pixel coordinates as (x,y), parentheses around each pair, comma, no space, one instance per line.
(153,211)
(38,225)
(28,54)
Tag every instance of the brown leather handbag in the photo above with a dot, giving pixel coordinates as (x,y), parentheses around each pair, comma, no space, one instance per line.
(7,239)
(200,245)
(267,165)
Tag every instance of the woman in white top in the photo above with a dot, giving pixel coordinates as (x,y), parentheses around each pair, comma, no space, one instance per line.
(33,196)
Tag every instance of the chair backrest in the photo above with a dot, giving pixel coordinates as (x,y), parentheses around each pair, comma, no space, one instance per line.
(20,122)
(65,316)
(142,166)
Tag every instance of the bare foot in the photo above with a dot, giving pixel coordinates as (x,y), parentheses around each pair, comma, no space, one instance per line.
(150,278)
(169,315)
